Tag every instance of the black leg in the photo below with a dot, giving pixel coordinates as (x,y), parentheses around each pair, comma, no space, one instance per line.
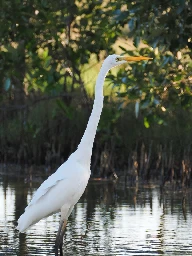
(56,251)
(59,237)
(61,250)
(57,241)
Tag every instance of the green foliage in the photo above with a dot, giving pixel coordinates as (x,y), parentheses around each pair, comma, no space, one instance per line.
(163,84)
(163,24)
(45,41)
(44,49)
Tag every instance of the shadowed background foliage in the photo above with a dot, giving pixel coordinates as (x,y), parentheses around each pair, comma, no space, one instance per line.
(50,54)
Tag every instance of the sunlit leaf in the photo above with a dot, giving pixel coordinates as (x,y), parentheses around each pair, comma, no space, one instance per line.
(178,77)
(146,123)
(160,121)
(47,62)
(43,53)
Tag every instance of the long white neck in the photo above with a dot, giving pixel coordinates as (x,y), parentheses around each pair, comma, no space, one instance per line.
(84,150)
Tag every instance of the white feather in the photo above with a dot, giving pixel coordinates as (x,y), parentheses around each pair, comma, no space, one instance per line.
(62,190)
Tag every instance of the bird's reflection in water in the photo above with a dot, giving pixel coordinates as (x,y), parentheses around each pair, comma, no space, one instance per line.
(110,219)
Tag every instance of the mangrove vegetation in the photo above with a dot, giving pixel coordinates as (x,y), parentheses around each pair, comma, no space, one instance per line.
(50,55)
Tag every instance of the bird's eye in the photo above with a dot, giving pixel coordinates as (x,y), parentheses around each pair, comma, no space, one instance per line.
(117,59)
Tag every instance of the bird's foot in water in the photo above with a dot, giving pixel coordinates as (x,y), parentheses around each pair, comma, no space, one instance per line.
(61,250)
(58,248)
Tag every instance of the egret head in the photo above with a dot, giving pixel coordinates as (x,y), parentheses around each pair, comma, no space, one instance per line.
(116,60)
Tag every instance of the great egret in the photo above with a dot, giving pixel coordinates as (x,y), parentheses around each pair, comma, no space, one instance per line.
(62,190)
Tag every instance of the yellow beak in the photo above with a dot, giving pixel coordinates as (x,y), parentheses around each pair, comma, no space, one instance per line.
(139,58)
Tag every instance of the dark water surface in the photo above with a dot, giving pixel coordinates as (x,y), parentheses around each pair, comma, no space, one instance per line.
(110,219)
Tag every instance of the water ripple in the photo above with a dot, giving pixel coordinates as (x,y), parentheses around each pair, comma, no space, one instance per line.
(100,227)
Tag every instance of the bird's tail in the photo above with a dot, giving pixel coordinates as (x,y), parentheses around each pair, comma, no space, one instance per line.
(26,220)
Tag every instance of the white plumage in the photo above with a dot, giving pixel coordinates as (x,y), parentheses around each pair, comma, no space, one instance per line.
(62,190)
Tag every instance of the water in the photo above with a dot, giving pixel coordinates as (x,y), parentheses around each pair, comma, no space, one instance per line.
(110,219)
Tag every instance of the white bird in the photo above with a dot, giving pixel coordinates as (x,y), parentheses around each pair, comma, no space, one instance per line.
(62,190)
